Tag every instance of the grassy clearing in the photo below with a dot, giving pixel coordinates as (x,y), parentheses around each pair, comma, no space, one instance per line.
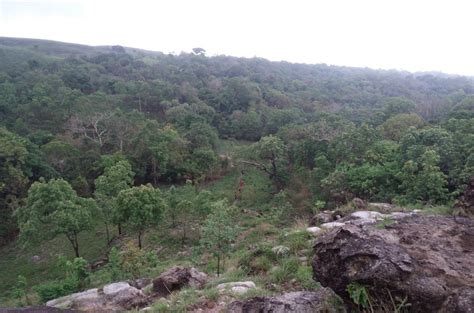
(17,260)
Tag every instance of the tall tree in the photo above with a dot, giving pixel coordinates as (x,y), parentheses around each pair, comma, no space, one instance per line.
(116,178)
(53,208)
(219,231)
(269,155)
(140,207)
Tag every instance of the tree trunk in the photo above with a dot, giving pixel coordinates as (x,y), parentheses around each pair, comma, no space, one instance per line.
(73,240)
(153,168)
(218,263)
(107,233)
(76,245)
(140,239)
(184,235)
(119,226)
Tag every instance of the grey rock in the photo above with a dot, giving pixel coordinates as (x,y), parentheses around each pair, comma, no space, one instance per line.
(178,277)
(332,225)
(314,230)
(321,217)
(428,259)
(322,300)
(239,287)
(113,297)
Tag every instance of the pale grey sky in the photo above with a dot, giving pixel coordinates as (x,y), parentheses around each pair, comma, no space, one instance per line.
(414,35)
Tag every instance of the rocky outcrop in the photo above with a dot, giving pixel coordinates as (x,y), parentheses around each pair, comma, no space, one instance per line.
(427,259)
(112,298)
(176,278)
(322,300)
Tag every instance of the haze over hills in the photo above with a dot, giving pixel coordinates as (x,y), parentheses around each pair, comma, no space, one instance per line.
(124,163)
(52,47)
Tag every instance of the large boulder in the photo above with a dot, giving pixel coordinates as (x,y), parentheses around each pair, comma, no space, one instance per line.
(322,300)
(429,260)
(176,278)
(113,297)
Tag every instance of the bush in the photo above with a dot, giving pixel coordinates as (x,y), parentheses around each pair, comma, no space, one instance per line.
(285,272)
(258,261)
(130,263)
(297,240)
(20,291)
(56,289)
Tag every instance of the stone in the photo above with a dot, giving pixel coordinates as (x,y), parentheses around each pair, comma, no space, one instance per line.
(332,225)
(362,221)
(321,217)
(367,215)
(239,287)
(359,204)
(88,300)
(281,250)
(380,207)
(314,230)
(322,300)
(140,283)
(37,309)
(399,215)
(427,259)
(178,277)
(35,259)
(112,297)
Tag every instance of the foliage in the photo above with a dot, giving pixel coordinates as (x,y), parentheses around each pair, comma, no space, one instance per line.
(56,289)
(140,207)
(20,291)
(286,271)
(116,178)
(218,231)
(53,208)
(359,294)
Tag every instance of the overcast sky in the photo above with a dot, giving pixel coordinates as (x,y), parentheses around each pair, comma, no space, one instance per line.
(414,35)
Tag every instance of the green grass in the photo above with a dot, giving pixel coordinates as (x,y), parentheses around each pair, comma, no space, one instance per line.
(16,260)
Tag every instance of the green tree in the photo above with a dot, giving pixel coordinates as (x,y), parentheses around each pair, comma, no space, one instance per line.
(13,178)
(219,231)
(116,178)
(53,208)
(269,155)
(397,126)
(424,181)
(140,207)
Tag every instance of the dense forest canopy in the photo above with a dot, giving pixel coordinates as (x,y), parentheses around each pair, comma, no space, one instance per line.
(328,133)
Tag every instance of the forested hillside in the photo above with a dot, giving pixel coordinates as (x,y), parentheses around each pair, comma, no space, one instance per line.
(107,128)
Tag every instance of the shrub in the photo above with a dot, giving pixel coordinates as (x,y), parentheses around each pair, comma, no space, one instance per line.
(359,294)
(20,290)
(285,272)
(297,240)
(211,294)
(258,261)
(56,289)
